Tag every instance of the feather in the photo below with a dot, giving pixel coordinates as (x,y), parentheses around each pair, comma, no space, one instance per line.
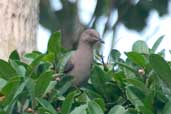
(68,67)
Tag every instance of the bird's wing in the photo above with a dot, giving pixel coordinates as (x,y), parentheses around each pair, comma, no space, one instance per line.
(68,67)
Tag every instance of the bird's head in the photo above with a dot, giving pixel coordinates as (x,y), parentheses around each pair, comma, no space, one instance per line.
(91,37)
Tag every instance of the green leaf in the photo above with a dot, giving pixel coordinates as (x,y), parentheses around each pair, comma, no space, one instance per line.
(20,88)
(127,67)
(46,105)
(136,58)
(145,110)
(157,43)
(161,67)
(99,79)
(14,55)
(117,109)
(31,87)
(101,82)
(115,54)
(132,111)
(67,104)
(36,61)
(49,57)
(2,112)
(33,55)
(41,68)
(137,83)
(54,44)
(20,69)
(167,108)
(140,47)
(27,113)
(91,93)
(82,98)
(101,103)
(94,108)
(2,83)
(10,89)
(80,110)
(135,96)
(6,71)
(64,84)
(42,83)
(42,110)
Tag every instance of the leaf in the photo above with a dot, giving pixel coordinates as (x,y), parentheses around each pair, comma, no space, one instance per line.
(33,55)
(127,67)
(31,87)
(43,111)
(80,110)
(167,108)
(136,58)
(140,47)
(2,112)
(132,111)
(20,69)
(10,89)
(54,44)
(36,61)
(64,84)
(94,108)
(102,83)
(42,83)
(6,71)
(2,83)
(101,103)
(46,105)
(117,109)
(157,43)
(145,110)
(14,55)
(20,88)
(67,104)
(99,79)
(135,96)
(41,68)
(161,67)
(82,98)
(137,83)
(49,57)
(91,93)
(115,54)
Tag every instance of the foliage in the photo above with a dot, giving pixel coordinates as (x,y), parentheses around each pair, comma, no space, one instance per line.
(133,14)
(138,85)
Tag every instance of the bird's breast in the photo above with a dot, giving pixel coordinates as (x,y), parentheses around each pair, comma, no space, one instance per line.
(83,60)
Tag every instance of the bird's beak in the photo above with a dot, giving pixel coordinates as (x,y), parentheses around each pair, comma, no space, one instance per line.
(101,41)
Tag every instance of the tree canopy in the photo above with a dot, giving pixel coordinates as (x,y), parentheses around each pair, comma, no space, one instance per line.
(132,13)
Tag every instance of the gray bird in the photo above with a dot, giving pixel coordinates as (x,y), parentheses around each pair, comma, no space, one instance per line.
(79,65)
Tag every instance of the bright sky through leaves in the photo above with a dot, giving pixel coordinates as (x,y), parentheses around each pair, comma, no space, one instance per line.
(125,38)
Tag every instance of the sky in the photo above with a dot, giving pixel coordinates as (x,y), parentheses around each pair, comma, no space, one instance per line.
(156,27)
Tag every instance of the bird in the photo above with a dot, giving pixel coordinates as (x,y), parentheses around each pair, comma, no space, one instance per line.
(79,64)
